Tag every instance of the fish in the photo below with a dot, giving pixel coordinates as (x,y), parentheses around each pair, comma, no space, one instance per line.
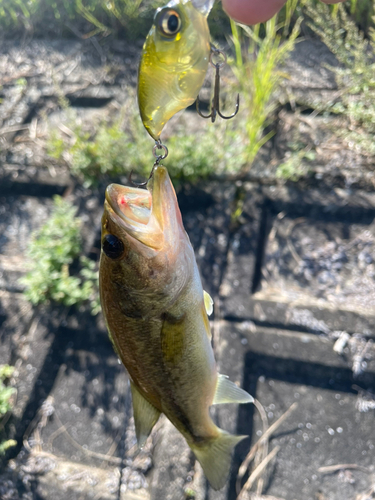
(174,62)
(156,314)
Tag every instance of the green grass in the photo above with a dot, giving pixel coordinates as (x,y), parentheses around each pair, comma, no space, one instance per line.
(258,71)
(115,149)
(93,157)
(52,251)
(123,18)
(126,18)
(130,19)
(355,75)
(112,150)
(6,393)
(296,165)
(362,12)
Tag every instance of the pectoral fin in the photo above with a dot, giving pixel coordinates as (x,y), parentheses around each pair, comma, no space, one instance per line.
(208,303)
(145,415)
(228,392)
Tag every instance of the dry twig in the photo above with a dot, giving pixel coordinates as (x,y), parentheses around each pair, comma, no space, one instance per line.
(257,472)
(334,468)
(264,453)
(253,451)
(367,495)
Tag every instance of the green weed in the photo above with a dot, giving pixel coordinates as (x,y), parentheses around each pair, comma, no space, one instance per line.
(114,151)
(55,145)
(126,18)
(109,152)
(190,494)
(355,75)
(105,154)
(131,17)
(296,165)
(258,70)
(193,159)
(31,14)
(6,393)
(355,53)
(52,252)
(123,17)
(361,12)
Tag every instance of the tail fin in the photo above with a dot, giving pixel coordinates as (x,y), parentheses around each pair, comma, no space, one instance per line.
(215,457)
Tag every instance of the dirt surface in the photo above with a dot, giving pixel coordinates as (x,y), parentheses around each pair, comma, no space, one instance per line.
(290,266)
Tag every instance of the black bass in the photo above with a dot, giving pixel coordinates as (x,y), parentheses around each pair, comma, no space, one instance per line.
(156,314)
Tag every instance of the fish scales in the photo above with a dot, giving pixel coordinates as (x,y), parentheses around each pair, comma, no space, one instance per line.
(154,307)
(158,344)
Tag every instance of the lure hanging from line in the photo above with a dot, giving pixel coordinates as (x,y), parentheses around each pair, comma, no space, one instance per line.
(174,62)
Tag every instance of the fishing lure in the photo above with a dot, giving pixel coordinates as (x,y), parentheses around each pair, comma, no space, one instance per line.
(174,63)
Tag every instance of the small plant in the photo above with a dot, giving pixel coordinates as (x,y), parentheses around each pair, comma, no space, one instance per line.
(194,158)
(52,252)
(55,145)
(361,11)
(355,53)
(112,152)
(6,393)
(27,14)
(132,16)
(355,75)
(107,153)
(190,494)
(125,17)
(258,72)
(294,167)
(102,155)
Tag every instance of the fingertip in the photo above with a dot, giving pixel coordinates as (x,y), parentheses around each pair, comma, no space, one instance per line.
(252,11)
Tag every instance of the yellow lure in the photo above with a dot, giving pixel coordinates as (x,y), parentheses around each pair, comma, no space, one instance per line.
(174,62)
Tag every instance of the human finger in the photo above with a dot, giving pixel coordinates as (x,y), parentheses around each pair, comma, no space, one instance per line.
(256,11)
(252,11)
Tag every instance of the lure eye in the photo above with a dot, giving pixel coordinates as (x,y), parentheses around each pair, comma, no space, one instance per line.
(170,23)
(112,246)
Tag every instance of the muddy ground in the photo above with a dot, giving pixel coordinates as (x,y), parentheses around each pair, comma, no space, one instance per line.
(292,278)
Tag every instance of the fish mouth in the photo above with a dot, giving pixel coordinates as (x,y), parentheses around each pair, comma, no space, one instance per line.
(130,209)
(149,216)
(131,205)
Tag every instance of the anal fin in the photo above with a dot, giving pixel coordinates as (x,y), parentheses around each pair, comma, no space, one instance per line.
(145,415)
(228,392)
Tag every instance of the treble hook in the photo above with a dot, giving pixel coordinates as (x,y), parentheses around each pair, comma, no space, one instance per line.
(215,106)
(158,158)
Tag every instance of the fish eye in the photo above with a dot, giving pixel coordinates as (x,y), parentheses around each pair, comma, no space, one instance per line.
(170,23)
(112,246)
